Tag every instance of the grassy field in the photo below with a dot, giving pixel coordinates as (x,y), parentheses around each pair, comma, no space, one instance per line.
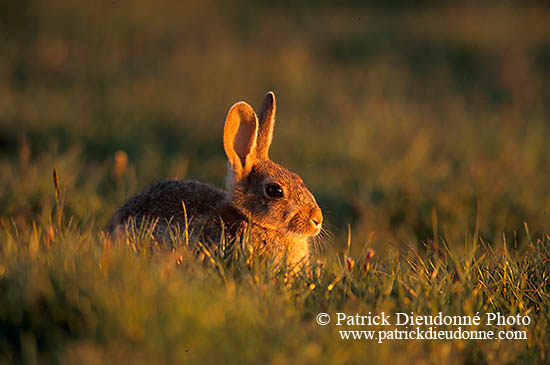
(422,130)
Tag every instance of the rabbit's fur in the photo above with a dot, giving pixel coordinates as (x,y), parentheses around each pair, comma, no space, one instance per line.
(279,224)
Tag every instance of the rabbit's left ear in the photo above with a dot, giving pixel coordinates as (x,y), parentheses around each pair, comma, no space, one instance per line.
(239,138)
(266,118)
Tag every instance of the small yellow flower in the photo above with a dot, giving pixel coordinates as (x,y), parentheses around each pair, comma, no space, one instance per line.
(370,254)
(350,263)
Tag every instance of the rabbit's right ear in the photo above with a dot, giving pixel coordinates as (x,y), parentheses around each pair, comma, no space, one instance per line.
(239,138)
(266,117)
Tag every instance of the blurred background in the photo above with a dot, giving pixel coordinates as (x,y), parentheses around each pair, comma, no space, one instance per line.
(412,122)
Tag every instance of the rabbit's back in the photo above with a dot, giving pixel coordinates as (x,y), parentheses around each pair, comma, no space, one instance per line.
(165,200)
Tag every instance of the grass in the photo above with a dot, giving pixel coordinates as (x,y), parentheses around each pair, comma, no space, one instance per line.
(69,293)
(422,131)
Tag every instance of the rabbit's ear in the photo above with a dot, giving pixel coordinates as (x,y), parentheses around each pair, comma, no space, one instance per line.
(266,118)
(239,138)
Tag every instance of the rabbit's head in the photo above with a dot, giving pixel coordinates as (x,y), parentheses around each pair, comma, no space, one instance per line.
(272,196)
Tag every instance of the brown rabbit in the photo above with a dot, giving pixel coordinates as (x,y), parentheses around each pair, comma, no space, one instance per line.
(283,214)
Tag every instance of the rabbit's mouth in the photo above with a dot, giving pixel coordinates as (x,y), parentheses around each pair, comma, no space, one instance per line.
(317,230)
(299,227)
(292,232)
(303,227)
(297,236)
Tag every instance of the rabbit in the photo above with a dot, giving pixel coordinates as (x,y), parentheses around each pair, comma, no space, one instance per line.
(282,213)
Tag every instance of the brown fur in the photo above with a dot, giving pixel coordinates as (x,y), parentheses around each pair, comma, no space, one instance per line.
(283,225)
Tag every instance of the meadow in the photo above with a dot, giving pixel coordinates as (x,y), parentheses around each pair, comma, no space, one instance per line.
(422,131)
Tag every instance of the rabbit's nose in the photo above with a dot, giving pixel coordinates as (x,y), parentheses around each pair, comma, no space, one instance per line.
(316,217)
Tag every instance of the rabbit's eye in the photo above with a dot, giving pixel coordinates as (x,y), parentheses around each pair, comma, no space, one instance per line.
(273,190)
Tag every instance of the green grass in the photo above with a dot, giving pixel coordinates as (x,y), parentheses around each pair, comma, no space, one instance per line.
(424,129)
(69,294)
